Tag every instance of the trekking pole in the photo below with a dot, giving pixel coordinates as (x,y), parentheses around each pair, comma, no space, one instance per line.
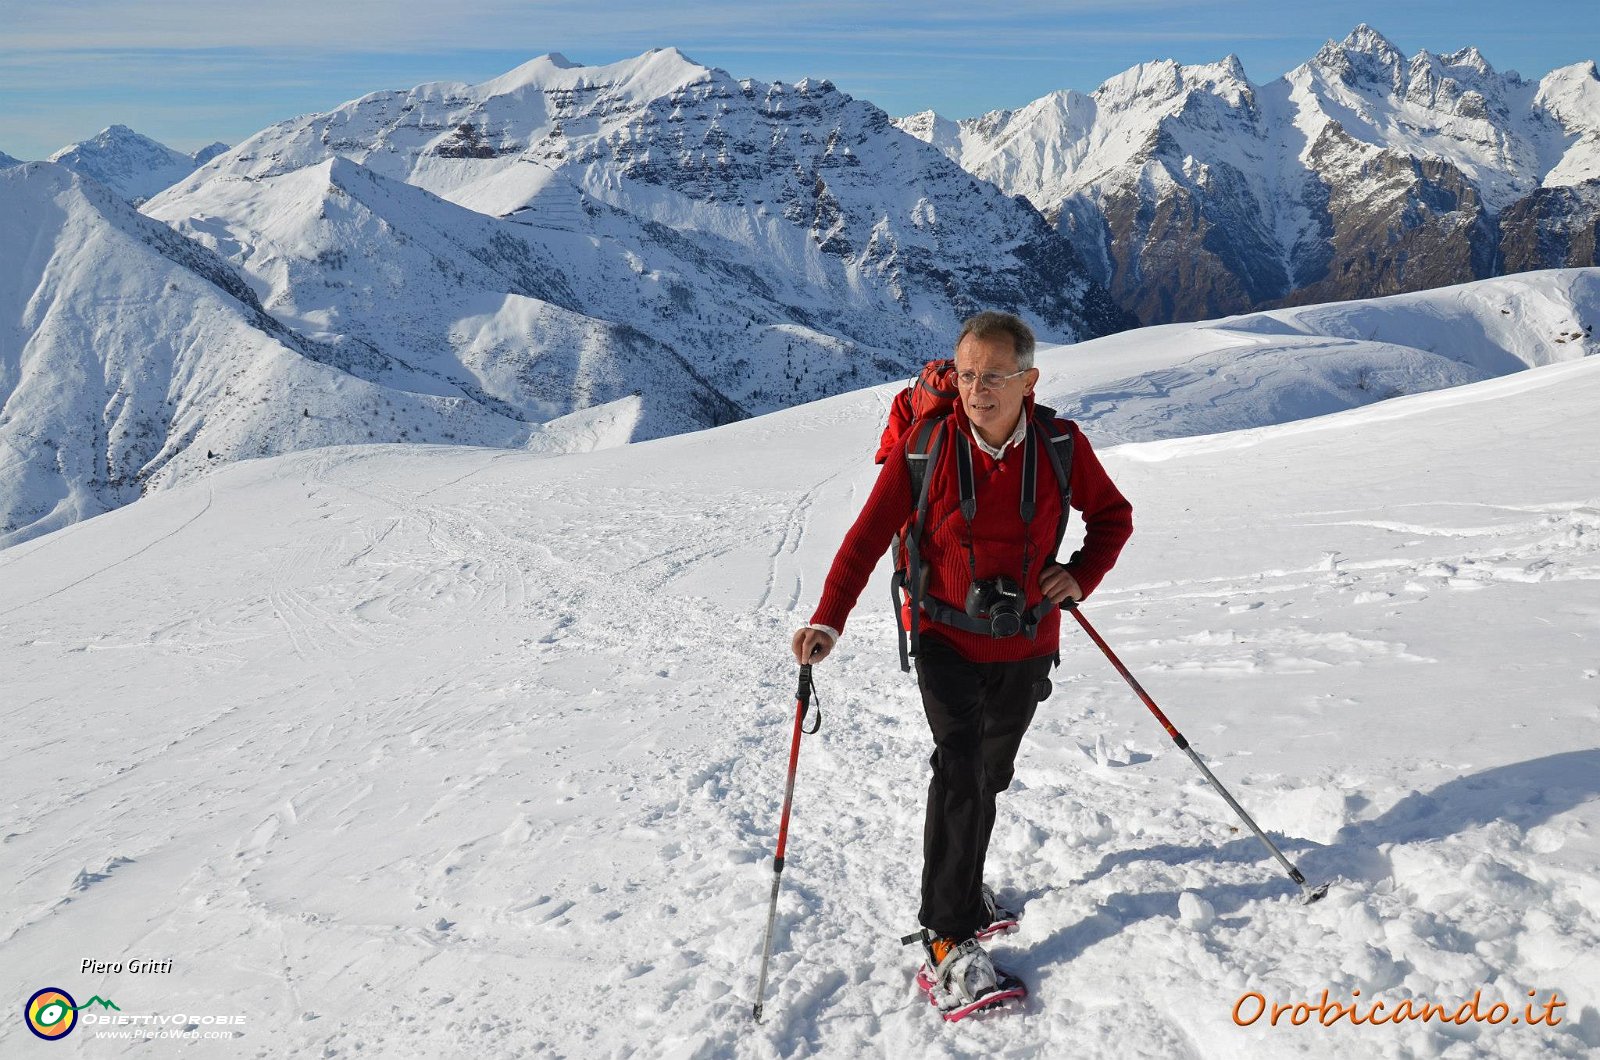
(1308,893)
(802,704)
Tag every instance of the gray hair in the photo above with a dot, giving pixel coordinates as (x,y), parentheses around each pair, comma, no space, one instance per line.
(991,323)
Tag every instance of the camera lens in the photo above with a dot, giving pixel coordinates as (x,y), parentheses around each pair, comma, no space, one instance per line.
(1005,622)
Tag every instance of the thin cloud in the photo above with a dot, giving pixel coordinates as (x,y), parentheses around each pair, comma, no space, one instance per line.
(426,24)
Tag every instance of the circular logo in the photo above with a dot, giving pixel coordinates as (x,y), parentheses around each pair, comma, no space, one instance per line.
(51,1013)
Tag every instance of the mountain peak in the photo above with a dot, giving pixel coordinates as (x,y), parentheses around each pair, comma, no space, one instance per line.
(538,70)
(1469,57)
(208,152)
(130,163)
(1369,41)
(672,51)
(1364,56)
(1164,81)
(810,85)
(1160,79)
(1225,76)
(110,136)
(657,72)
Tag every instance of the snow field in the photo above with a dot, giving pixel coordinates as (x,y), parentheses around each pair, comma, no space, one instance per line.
(433,751)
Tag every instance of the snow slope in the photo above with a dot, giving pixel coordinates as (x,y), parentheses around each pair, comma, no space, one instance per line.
(442,751)
(453,301)
(1290,364)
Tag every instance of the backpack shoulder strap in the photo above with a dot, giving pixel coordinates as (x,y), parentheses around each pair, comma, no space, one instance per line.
(1060,453)
(922,446)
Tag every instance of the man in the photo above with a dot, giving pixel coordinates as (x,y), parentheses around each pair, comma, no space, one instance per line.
(979,691)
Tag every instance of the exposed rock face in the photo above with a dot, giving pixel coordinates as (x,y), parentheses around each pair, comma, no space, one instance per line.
(1552,228)
(1191,192)
(1396,223)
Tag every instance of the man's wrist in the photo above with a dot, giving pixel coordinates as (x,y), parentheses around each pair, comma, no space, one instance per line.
(833,634)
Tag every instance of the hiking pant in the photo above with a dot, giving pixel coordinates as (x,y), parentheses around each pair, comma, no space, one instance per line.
(978,712)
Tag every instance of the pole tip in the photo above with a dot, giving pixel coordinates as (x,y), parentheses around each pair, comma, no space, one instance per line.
(1314,894)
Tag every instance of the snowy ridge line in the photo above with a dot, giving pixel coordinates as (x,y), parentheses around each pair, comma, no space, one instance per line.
(1489,390)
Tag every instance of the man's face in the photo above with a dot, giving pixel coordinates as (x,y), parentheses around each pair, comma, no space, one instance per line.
(993,410)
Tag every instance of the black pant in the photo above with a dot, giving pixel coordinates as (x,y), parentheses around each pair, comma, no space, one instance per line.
(978,713)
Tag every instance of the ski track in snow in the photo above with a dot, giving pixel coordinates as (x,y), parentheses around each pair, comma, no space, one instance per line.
(397,743)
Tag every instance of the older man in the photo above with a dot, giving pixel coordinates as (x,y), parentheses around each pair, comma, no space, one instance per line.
(979,689)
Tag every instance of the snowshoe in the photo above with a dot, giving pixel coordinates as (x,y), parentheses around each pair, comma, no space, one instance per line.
(960,979)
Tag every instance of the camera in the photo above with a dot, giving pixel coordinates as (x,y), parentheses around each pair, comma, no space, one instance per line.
(998,601)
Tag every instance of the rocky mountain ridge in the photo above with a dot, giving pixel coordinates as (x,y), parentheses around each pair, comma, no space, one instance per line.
(1192,192)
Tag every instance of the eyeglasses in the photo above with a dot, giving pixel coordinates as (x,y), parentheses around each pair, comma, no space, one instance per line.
(990,380)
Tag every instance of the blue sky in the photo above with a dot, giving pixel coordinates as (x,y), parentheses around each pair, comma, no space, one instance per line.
(191,71)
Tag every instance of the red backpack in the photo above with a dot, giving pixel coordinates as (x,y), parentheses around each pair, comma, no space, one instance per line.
(930,396)
(917,428)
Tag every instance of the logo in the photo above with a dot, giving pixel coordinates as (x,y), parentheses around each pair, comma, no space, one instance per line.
(52,1014)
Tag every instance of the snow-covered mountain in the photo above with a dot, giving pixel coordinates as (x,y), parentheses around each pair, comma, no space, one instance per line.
(132,357)
(786,240)
(131,164)
(138,359)
(1292,364)
(208,152)
(561,259)
(419,752)
(436,295)
(1191,191)
(7,160)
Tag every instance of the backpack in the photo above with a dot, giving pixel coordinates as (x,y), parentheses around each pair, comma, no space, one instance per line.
(920,439)
(932,394)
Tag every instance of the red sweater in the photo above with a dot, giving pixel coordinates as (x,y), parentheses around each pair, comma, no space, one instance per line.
(1000,538)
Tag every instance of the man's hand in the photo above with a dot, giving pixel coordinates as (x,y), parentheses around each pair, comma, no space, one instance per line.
(811,645)
(1057,584)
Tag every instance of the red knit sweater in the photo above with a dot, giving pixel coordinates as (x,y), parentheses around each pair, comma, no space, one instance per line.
(1000,539)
